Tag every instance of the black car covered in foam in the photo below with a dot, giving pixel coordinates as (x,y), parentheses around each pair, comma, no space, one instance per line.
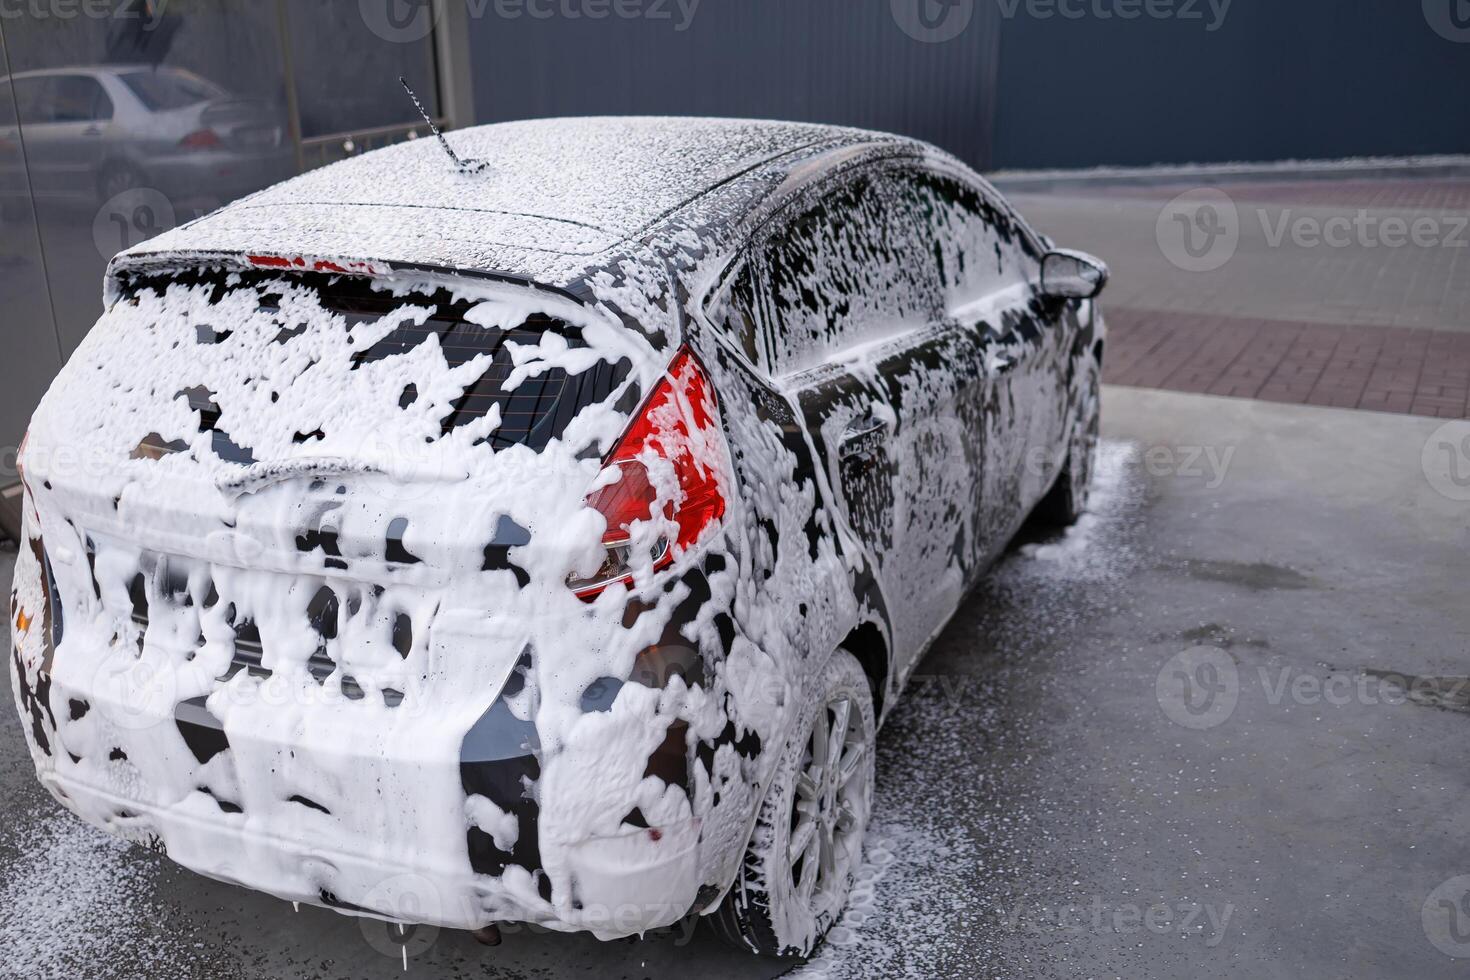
(545,539)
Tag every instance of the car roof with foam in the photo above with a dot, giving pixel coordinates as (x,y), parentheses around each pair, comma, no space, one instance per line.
(554,201)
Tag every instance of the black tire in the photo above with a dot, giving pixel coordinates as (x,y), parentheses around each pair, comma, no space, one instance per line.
(765,912)
(1066,502)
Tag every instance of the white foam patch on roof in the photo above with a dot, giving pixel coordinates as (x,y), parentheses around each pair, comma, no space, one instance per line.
(613,173)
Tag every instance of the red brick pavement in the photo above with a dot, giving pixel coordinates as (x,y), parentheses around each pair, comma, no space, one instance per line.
(1385,369)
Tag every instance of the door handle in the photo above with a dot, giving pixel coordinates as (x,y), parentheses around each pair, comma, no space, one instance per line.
(862,436)
(91,131)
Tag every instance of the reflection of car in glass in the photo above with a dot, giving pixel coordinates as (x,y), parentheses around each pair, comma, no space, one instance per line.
(92,133)
(543,543)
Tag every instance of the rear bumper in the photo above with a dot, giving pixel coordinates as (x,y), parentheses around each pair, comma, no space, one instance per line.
(438,806)
(620,879)
(400,858)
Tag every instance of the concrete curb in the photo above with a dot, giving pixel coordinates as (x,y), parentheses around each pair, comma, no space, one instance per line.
(1369,168)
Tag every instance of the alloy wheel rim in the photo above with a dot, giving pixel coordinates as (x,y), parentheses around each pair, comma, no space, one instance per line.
(828,809)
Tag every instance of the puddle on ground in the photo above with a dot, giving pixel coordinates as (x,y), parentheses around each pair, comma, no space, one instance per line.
(1256,576)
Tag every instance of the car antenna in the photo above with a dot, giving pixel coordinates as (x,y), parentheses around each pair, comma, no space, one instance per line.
(463,166)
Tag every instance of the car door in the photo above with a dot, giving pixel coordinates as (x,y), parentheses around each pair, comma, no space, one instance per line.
(846,316)
(986,265)
(65,119)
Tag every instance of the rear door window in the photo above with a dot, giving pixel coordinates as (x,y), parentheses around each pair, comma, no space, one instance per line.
(843,270)
(77,98)
(31,101)
(736,313)
(975,248)
(162,89)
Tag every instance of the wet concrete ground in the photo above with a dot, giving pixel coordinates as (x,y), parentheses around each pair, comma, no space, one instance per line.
(1175,742)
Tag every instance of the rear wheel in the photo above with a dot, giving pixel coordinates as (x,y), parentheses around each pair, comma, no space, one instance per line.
(116,178)
(808,838)
(1067,500)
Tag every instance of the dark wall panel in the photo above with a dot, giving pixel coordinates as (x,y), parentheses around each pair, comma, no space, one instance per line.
(1278,80)
(837,61)
(1270,80)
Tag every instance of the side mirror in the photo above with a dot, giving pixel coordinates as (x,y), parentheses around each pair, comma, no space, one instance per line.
(1072,275)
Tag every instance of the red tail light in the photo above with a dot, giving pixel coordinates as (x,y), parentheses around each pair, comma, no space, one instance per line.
(200,139)
(677,425)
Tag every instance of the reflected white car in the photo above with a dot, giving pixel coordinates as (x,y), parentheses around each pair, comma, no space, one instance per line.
(91,133)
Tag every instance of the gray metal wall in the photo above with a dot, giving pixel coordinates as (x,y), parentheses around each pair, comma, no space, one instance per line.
(837,61)
(1278,80)
(1021,85)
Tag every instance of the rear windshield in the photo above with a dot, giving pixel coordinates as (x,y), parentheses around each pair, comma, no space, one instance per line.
(163,89)
(536,410)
